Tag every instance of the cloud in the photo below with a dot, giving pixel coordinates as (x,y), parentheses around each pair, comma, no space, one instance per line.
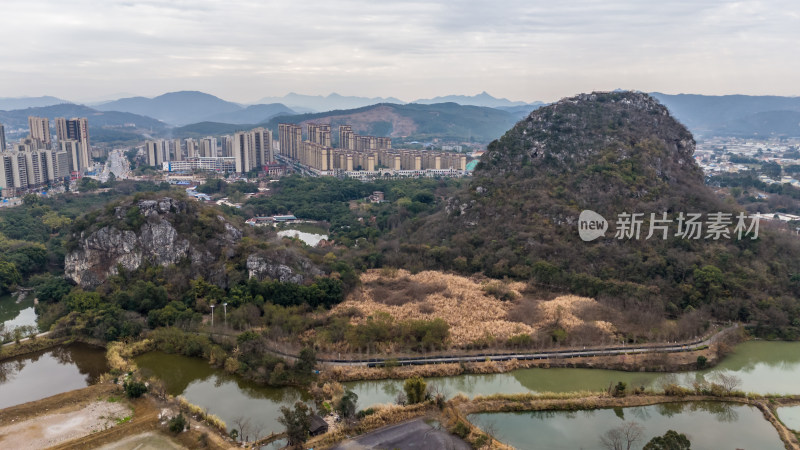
(528,50)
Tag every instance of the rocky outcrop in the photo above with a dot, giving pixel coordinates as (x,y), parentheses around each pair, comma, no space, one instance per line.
(154,240)
(282,266)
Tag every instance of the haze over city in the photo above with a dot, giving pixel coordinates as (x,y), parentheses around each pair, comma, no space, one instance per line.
(521,50)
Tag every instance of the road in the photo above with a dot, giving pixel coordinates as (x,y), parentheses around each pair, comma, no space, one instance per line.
(522,356)
(44,334)
(415,434)
(117,164)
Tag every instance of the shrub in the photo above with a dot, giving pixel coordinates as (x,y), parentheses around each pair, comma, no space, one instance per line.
(701,362)
(675,390)
(365,412)
(134,389)
(499,291)
(461,430)
(415,389)
(619,389)
(177,423)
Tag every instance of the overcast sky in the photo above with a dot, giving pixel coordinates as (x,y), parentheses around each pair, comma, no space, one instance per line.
(242,50)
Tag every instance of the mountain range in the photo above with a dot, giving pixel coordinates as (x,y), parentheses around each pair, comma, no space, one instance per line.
(735,115)
(318,103)
(11,103)
(449,121)
(198,113)
(185,107)
(482,99)
(104,126)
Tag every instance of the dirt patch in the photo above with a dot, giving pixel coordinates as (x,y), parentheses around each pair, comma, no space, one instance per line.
(51,429)
(66,400)
(143,416)
(144,441)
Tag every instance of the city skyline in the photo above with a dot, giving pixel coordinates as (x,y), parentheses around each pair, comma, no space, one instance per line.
(529,51)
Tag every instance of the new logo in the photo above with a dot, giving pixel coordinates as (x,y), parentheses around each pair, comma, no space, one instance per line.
(591,225)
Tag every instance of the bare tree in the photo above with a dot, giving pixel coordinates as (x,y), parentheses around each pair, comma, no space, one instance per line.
(242,425)
(728,382)
(623,437)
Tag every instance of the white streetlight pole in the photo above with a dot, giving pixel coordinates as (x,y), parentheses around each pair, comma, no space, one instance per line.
(212,315)
(225,308)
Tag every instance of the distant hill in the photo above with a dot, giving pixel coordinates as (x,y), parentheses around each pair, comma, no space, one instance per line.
(318,103)
(252,114)
(482,99)
(764,124)
(11,103)
(104,126)
(733,115)
(444,120)
(521,111)
(611,153)
(176,108)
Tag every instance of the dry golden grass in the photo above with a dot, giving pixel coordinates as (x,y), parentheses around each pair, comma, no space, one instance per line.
(459,301)
(564,312)
(473,315)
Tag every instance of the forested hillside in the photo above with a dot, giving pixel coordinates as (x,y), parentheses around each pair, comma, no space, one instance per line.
(610,153)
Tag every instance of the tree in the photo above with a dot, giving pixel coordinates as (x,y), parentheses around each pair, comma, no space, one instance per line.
(623,437)
(728,382)
(348,404)
(415,389)
(297,422)
(671,440)
(306,361)
(9,277)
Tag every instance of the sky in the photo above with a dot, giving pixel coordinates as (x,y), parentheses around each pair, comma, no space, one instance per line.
(243,50)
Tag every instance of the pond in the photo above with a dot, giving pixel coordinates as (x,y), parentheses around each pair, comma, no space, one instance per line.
(49,372)
(790,416)
(310,233)
(763,367)
(227,396)
(17,311)
(708,425)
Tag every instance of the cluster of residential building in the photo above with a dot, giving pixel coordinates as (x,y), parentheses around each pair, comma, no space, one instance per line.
(356,155)
(361,156)
(242,152)
(38,161)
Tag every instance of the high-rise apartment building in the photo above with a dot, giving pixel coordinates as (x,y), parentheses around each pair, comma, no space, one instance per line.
(2,138)
(191,148)
(78,157)
(242,152)
(75,129)
(290,138)
(208,147)
(32,168)
(319,134)
(262,146)
(346,137)
(40,131)
(157,152)
(175,148)
(252,149)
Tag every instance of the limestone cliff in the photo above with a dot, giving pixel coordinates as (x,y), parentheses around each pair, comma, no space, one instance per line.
(146,232)
(181,232)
